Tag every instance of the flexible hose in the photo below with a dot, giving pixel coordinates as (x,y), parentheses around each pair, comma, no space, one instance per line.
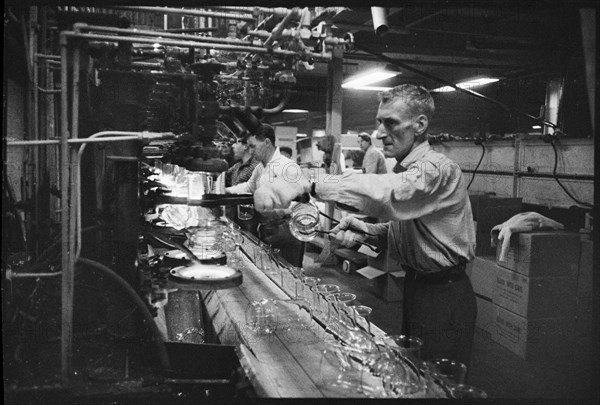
(160,346)
(477,167)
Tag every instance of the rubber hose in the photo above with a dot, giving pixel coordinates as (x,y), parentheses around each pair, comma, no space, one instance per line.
(160,346)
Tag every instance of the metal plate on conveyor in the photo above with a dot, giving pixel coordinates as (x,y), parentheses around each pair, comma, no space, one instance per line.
(206,276)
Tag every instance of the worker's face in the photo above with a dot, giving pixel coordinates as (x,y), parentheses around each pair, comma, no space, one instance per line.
(397,128)
(363,145)
(239,149)
(259,149)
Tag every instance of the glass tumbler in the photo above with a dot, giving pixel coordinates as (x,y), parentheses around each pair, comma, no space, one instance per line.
(245,211)
(304,221)
(451,371)
(408,345)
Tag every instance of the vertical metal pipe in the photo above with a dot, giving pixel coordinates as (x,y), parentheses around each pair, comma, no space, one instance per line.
(67,271)
(74,225)
(36,177)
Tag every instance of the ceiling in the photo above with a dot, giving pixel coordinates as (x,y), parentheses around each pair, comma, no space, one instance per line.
(524,47)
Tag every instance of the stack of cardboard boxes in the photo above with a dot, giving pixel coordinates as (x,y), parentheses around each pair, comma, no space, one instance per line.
(528,302)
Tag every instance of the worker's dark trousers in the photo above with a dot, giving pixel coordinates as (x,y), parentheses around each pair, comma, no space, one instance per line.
(443,315)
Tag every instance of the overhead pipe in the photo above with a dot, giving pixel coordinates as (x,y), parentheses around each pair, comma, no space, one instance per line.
(47,57)
(116,136)
(181,11)
(276,33)
(182,30)
(279,107)
(380,20)
(276,11)
(187,44)
(162,34)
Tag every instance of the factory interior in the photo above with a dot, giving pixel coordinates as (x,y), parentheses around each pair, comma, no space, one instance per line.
(111,113)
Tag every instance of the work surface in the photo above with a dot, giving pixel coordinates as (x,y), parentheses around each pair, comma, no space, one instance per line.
(289,362)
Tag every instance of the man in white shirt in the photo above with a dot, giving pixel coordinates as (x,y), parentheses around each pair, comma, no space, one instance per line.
(430,224)
(273,166)
(373,161)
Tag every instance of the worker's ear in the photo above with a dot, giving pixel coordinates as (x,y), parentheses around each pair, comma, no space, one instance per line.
(421,123)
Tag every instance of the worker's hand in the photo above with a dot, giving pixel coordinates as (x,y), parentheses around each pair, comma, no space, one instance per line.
(279,193)
(343,231)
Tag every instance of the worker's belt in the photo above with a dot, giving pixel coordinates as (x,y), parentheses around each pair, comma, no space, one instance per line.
(445,276)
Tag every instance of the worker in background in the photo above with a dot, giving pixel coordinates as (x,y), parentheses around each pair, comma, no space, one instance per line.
(273,226)
(286,151)
(430,221)
(240,172)
(373,161)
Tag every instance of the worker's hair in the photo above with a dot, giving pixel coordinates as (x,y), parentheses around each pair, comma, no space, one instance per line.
(265,131)
(243,138)
(365,137)
(417,98)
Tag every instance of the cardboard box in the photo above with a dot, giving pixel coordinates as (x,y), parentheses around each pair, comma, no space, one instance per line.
(388,285)
(482,273)
(534,297)
(535,340)
(585,292)
(540,254)
(486,314)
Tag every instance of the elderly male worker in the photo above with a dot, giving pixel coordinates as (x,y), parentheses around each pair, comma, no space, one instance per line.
(374,160)
(430,221)
(273,225)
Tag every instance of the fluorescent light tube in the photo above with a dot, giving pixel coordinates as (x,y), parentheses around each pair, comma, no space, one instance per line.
(371,88)
(466,84)
(368,78)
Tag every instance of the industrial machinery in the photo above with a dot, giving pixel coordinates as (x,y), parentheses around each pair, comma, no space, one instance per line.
(117,90)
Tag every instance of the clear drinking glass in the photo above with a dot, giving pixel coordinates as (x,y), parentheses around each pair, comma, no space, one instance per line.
(310,292)
(408,345)
(362,311)
(339,303)
(323,290)
(245,211)
(262,316)
(195,187)
(450,371)
(298,274)
(304,221)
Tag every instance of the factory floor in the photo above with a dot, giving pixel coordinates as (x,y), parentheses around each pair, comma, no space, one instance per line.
(495,369)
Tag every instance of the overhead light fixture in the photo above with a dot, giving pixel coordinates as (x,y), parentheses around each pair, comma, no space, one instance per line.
(536,127)
(301,135)
(466,84)
(372,88)
(295,111)
(363,80)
